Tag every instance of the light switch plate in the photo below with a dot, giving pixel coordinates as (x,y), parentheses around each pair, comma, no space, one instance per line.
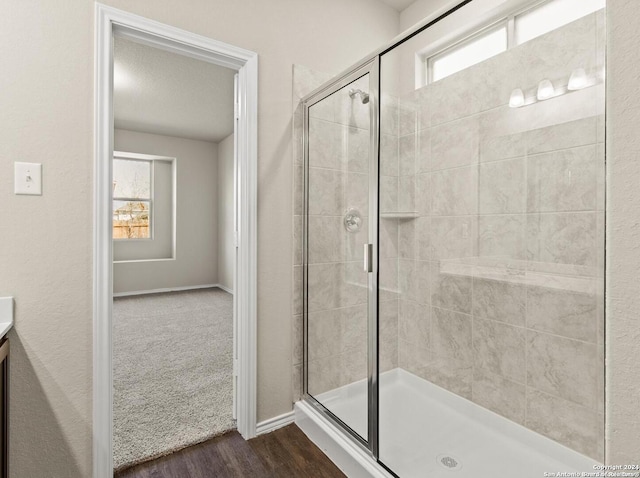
(28,178)
(6,309)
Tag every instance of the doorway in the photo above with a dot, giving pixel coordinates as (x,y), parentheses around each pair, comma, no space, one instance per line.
(112,23)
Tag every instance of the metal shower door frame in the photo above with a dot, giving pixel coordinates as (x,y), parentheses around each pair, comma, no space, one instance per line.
(372,68)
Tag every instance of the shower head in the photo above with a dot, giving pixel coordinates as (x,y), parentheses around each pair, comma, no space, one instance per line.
(363,96)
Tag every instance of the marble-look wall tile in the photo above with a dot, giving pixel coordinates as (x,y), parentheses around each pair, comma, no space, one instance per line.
(414,323)
(389,114)
(326,189)
(564,238)
(423,151)
(326,239)
(388,338)
(388,279)
(354,328)
(423,194)
(357,193)
(502,236)
(499,300)
(496,148)
(451,336)
(324,334)
(601,177)
(572,425)
(423,287)
(449,291)
(324,374)
(298,183)
(453,375)
(297,327)
(563,367)
(413,357)
(423,238)
(451,237)
(358,150)
(325,144)
(499,395)
(351,286)
(454,192)
(353,241)
(353,367)
(562,312)
(502,187)
(407,279)
(562,180)
(389,155)
(324,109)
(562,136)
(297,240)
(388,193)
(455,144)
(407,194)
(500,349)
(297,290)
(407,154)
(407,115)
(389,238)
(407,246)
(322,286)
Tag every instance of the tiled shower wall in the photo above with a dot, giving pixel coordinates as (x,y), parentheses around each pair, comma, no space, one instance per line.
(491,239)
(500,263)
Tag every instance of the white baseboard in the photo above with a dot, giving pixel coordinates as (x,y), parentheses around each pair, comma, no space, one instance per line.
(274,423)
(169,289)
(226,289)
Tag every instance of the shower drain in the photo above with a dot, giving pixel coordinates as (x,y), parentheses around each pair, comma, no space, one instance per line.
(449,462)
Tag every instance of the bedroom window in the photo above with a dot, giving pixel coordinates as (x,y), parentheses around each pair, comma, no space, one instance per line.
(132,198)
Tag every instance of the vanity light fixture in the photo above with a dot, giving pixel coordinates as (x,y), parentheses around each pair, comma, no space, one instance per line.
(545,90)
(577,80)
(516,99)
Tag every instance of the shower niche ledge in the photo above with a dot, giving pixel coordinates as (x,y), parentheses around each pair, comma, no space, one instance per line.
(399,215)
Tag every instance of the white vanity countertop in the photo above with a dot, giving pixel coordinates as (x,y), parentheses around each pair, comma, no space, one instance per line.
(6,315)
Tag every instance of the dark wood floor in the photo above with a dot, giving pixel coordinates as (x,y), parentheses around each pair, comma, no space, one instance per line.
(286,452)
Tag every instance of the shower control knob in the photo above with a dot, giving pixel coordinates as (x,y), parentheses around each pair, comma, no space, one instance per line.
(352,220)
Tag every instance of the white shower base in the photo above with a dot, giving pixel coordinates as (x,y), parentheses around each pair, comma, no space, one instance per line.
(421,423)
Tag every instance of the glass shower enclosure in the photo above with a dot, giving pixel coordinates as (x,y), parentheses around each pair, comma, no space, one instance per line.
(453,244)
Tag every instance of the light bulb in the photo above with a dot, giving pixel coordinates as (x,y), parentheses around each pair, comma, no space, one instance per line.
(577,80)
(517,98)
(545,90)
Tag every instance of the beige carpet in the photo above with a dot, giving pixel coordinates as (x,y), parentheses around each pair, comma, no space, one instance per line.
(172,372)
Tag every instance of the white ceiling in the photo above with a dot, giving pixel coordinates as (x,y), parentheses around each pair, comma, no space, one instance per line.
(399,5)
(159,92)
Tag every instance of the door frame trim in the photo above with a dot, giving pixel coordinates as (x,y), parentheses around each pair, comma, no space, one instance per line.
(109,21)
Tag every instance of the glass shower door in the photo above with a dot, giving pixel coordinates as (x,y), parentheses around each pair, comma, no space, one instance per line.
(338,289)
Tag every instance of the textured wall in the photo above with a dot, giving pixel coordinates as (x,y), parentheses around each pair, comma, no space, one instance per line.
(47,102)
(196,261)
(623,232)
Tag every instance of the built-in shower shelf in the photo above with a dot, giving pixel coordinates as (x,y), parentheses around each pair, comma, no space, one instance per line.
(399,215)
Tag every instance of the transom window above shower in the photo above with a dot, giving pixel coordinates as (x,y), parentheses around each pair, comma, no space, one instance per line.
(498,34)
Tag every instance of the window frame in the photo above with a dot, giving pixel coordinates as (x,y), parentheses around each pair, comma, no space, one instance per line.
(125,156)
(485,30)
(427,55)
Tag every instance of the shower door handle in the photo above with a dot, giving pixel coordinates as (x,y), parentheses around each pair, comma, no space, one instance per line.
(368,257)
